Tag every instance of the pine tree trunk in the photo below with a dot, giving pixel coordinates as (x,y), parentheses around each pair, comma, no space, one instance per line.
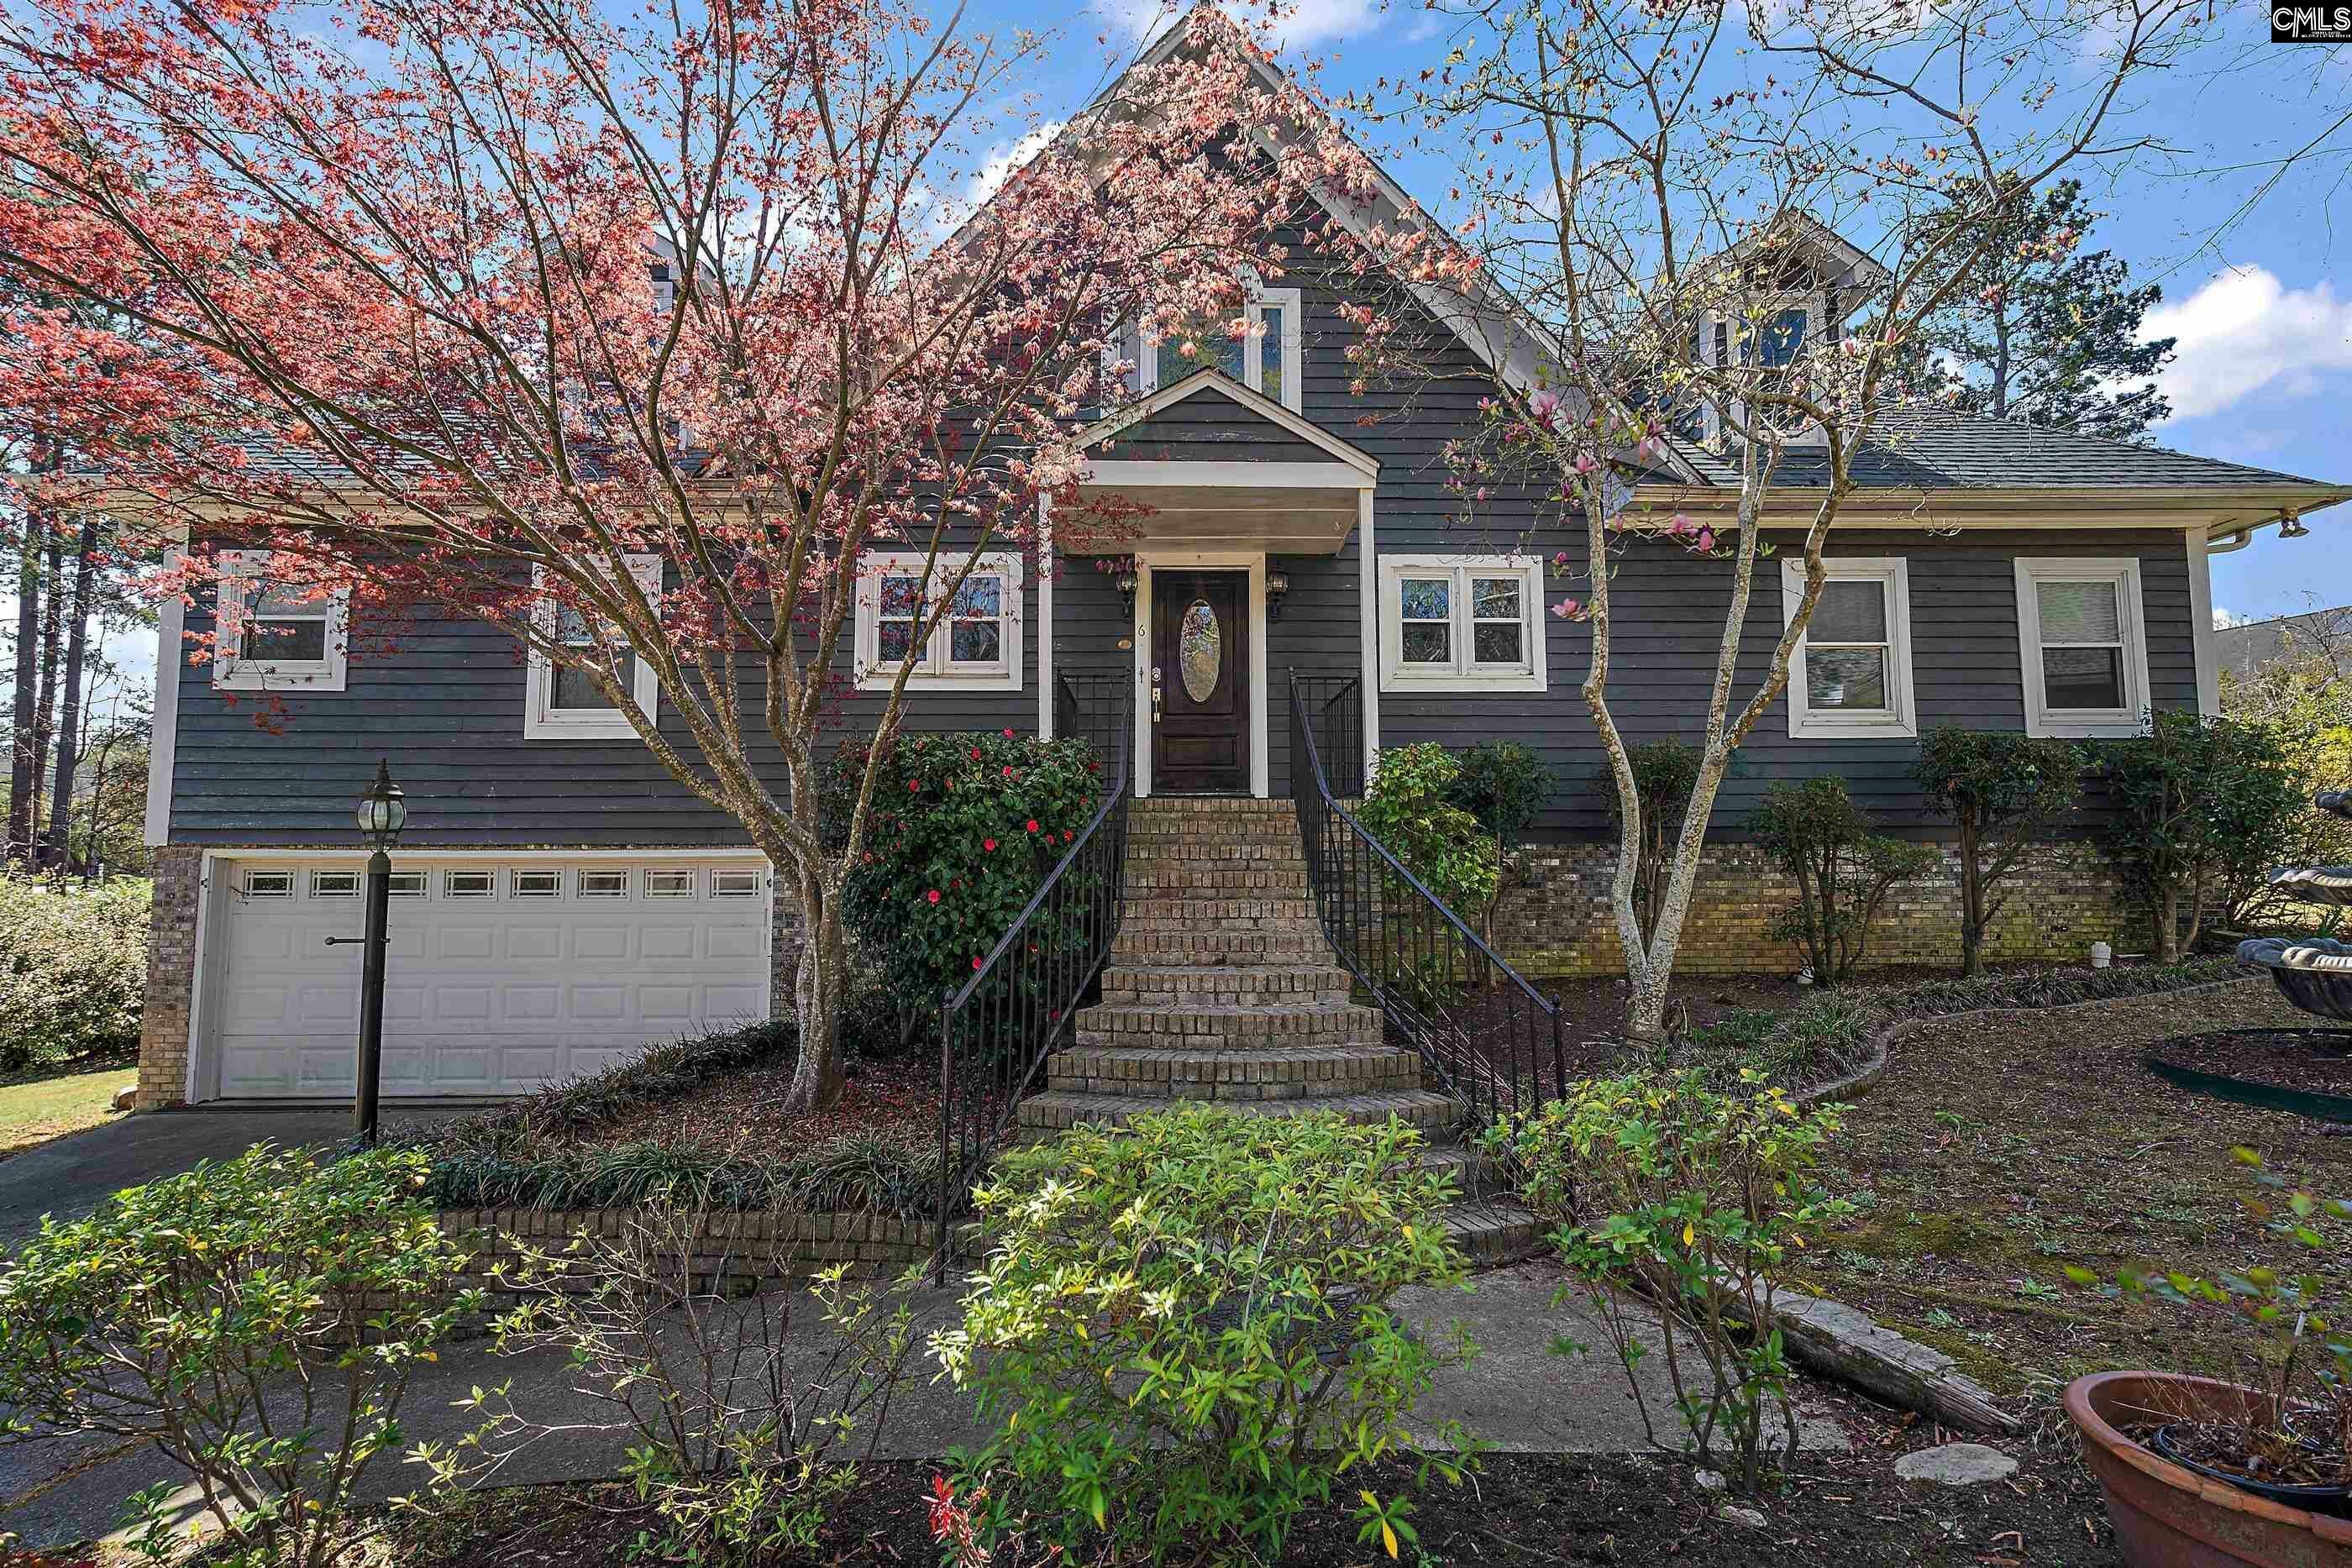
(69,723)
(45,696)
(23,779)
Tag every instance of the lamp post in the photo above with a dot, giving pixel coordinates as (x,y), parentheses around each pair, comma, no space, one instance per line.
(380,815)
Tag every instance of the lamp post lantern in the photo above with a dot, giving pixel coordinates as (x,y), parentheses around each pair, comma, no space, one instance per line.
(380,813)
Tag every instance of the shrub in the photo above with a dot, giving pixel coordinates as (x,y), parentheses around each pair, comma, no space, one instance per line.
(855,1172)
(733,1432)
(2201,807)
(1409,807)
(963,827)
(1843,871)
(1502,784)
(1679,1204)
(2003,793)
(163,1318)
(1664,773)
(1184,1332)
(73,970)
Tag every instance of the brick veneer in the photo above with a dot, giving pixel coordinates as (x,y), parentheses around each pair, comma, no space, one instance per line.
(2063,899)
(170,979)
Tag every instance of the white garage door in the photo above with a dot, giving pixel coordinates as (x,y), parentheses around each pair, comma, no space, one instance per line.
(501,975)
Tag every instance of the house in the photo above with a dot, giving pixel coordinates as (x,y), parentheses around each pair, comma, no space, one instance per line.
(2246,648)
(560,900)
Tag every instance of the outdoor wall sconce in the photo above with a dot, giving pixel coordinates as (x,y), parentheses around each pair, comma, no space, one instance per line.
(1278,583)
(2293,527)
(1125,582)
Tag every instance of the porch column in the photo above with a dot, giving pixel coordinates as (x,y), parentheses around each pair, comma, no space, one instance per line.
(1044,629)
(1368,590)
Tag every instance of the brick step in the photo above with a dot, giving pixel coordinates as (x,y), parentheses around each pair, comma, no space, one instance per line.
(1223,985)
(1239,947)
(1229,1028)
(1197,881)
(1284,1074)
(1055,1110)
(1211,857)
(1495,1230)
(1156,910)
(1222,808)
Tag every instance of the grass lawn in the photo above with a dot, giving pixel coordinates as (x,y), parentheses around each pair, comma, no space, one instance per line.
(1998,1149)
(34,1110)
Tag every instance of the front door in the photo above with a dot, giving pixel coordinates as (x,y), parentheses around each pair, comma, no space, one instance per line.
(1199,682)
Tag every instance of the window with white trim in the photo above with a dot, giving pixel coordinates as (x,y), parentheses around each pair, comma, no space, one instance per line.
(975,646)
(563,703)
(1850,677)
(1462,624)
(277,637)
(2082,646)
(1266,358)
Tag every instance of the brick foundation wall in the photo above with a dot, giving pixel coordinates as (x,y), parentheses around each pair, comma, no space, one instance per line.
(2062,901)
(170,979)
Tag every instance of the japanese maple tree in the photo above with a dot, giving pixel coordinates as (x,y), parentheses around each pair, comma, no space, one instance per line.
(467,302)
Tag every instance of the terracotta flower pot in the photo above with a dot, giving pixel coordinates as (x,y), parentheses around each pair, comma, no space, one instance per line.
(2166,1517)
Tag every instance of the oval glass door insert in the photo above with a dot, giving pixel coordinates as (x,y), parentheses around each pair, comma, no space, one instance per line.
(1199,651)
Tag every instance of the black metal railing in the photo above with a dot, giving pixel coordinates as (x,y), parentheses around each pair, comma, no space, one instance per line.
(1492,1039)
(997,1032)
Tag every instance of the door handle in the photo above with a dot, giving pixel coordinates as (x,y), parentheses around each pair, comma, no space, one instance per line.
(1155,693)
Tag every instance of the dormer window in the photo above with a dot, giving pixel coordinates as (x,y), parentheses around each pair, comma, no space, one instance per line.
(1264,358)
(1775,343)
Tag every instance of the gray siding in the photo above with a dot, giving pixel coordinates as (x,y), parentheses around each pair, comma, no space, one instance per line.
(1208,426)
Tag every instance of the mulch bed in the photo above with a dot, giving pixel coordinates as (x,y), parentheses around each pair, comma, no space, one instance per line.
(2318,1060)
(742,1111)
(1996,1150)
(1846,1511)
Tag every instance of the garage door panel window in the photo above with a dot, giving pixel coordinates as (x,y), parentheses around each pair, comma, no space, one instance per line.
(671,884)
(1461,623)
(274,635)
(1850,674)
(469,884)
(269,884)
(563,700)
(538,884)
(2082,650)
(602,883)
(334,884)
(408,885)
(735,884)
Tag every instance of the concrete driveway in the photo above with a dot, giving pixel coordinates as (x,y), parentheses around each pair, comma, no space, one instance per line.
(68,1176)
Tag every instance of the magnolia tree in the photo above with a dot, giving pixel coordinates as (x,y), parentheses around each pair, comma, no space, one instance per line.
(1647,193)
(476,304)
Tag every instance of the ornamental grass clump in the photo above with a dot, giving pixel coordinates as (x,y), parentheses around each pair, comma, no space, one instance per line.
(1677,1206)
(165,1317)
(1184,1333)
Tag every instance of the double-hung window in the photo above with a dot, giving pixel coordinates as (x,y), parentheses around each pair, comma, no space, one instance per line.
(974,647)
(1264,358)
(2082,649)
(563,701)
(1850,677)
(1462,624)
(276,636)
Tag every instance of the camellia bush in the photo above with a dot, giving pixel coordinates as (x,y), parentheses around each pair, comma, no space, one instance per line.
(1676,1204)
(966,827)
(164,1319)
(1843,871)
(73,971)
(1184,1334)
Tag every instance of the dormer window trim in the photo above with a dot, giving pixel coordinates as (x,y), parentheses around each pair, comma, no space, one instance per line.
(1259,300)
(1716,348)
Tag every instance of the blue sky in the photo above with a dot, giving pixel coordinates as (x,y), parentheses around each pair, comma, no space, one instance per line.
(2263,308)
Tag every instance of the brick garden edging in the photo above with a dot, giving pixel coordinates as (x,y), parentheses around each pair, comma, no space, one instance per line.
(752,1250)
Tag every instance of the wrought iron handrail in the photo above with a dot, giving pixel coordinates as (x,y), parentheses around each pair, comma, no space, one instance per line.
(997,1031)
(1493,1040)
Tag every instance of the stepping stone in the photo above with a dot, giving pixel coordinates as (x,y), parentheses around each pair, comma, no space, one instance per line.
(1957,1465)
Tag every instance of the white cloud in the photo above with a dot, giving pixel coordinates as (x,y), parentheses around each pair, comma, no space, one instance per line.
(1002,160)
(1299,23)
(2244,330)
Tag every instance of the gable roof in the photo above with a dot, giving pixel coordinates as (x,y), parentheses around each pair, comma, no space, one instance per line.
(1210,380)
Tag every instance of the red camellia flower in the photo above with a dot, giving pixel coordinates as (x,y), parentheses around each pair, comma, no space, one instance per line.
(975,963)
(988,844)
(975,754)
(1033,824)
(1068,835)
(933,895)
(1008,735)
(914,783)
(1008,770)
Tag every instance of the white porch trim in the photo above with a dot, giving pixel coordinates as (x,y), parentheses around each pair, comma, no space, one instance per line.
(1256,403)
(163,738)
(1228,475)
(2200,614)
(1369,618)
(1254,562)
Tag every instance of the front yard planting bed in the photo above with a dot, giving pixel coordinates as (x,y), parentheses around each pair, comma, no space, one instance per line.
(1996,1150)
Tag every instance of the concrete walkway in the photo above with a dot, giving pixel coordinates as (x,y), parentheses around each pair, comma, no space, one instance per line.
(1516,1393)
(69,1177)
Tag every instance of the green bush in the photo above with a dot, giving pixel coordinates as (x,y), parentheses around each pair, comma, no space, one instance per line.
(1679,1204)
(1183,1333)
(1504,785)
(962,829)
(1409,807)
(2203,809)
(1664,773)
(1843,871)
(164,1317)
(733,1431)
(73,971)
(2003,793)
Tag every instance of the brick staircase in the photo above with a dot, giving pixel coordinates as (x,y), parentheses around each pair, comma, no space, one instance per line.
(1221,986)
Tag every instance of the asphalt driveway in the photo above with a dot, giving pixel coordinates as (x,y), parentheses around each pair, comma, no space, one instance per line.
(68,1176)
